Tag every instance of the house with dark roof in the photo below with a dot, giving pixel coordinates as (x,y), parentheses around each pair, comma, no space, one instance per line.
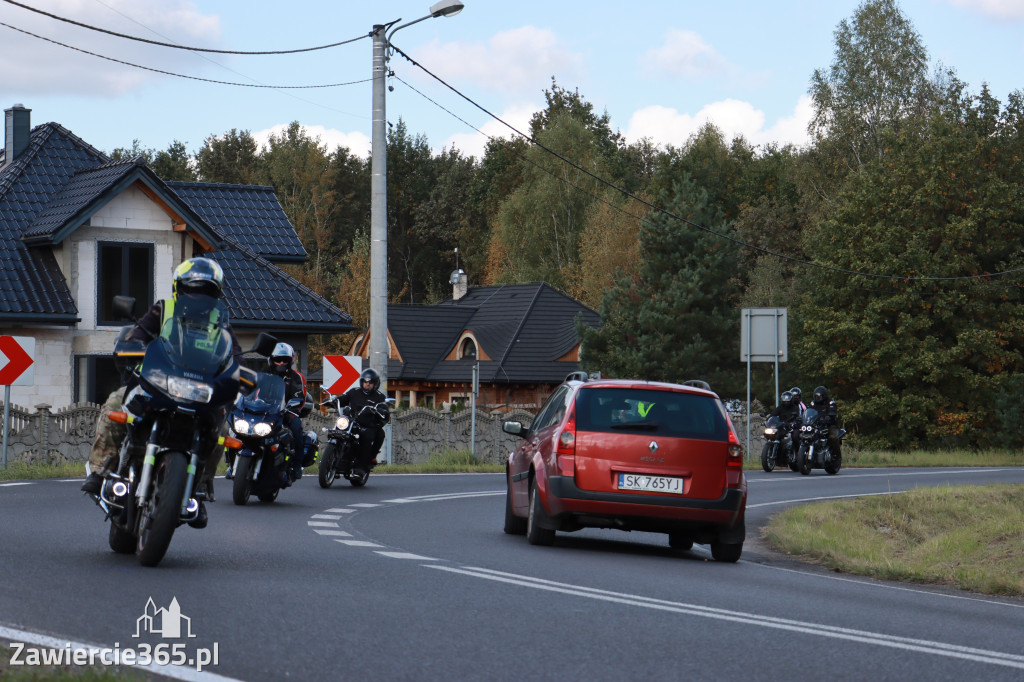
(522,335)
(76,229)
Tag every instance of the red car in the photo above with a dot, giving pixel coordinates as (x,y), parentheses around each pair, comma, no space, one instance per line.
(632,455)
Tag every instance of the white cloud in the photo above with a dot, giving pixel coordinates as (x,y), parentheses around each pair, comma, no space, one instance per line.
(33,65)
(473,144)
(667,126)
(996,9)
(516,62)
(684,53)
(357,143)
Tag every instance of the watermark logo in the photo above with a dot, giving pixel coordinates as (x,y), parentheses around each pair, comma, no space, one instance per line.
(168,623)
(164,622)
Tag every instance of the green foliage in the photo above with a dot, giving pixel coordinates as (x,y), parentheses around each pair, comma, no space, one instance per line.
(230,158)
(677,319)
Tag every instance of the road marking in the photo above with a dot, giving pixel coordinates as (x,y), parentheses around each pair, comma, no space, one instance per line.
(365,505)
(338,533)
(327,524)
(11,485)
(804,627)
(358,543)
(822,498)
(406,555)
(339,511)
(886,474)
(334,517)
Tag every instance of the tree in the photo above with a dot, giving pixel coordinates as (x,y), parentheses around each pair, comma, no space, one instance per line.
(677,318)
(230,158)
(174,164)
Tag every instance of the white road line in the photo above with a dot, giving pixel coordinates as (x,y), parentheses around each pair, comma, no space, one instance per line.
(334,533)
(326,524)
(358,543)
(822,498)
(406,555)
(339,511)
(334,517)
(884,474)
(821,630)
(365,505)
(174,672)
(11,485)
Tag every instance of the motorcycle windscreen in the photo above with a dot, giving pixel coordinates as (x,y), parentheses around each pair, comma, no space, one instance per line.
(810,416)
(267,397)
(194,336)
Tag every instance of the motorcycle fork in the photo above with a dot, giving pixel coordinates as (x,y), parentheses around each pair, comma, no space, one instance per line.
(193,461)
(148,462)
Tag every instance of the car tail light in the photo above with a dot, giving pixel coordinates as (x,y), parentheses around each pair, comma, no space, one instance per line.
(565,446)
(735,459)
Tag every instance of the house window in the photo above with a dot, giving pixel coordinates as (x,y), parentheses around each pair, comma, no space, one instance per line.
(96,377)
(468,348)
(428,400)
(123,270)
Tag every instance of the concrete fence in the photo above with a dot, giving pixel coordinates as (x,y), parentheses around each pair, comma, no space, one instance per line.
(64,436)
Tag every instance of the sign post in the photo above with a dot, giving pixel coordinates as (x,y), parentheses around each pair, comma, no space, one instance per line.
(17,355)
(763,339)
(473,395)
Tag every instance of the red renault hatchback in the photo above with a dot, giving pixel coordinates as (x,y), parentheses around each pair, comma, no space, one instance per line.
(631,455)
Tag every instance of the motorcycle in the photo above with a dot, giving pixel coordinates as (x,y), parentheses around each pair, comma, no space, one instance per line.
(343,439)
(778,446)
(814,451)
(260,466)
(178,393)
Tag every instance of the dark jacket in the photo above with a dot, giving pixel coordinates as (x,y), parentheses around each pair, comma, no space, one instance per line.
(788,413)
(294,386)
(357,399)
(828,409)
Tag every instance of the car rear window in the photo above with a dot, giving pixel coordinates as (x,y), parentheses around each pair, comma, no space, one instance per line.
(650,412)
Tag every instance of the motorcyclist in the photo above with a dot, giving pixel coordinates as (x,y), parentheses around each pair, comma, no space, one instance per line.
(193,277)
(280,361)
(788,411)
(798,398)
(357,397)
(827,408)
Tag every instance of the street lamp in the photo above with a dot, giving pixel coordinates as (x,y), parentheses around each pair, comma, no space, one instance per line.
(379,192)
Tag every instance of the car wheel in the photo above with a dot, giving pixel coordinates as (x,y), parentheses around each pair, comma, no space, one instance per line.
(680,541)
(514,525)
(730,553)
(536,535)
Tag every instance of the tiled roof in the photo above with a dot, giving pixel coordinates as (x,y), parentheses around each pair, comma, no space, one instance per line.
(523,328)
(246,214)
(59,181)
(262,296)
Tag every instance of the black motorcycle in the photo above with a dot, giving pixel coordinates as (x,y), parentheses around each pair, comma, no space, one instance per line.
(178,391)
(778,446)
(260,466)
(814,451)
(339,455)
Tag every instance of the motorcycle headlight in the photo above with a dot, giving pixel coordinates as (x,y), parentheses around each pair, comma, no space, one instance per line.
(262,429)
(241,426)
(771,431)
(342,423)
(187,389)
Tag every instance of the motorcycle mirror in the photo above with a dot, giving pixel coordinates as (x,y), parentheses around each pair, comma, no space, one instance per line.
(124,308)
(264,344)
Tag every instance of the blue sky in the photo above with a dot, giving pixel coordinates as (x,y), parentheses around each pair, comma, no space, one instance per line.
(660,69)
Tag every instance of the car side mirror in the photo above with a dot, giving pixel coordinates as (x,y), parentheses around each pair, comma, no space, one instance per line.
(515,428)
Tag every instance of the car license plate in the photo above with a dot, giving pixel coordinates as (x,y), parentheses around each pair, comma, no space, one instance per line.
(654,484)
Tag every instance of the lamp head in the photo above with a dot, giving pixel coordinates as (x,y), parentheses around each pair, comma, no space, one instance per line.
(446,8)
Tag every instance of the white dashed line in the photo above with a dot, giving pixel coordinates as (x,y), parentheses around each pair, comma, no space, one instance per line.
(358,543)
(327,524)
(365,505)
(10,485)
(333,517)
(339,511)
(406,555)
(338,533)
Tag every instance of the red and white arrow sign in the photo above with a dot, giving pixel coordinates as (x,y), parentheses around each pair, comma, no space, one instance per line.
(16,360)
(341,372)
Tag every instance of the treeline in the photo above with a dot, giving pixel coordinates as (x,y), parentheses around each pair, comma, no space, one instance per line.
(894,238)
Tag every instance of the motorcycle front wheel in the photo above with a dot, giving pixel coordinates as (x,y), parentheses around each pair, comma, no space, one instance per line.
(242,487)
(161,515)
(327,471)
(803,459)
(768,455)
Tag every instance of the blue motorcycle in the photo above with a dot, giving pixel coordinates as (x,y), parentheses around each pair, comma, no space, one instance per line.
(260,466)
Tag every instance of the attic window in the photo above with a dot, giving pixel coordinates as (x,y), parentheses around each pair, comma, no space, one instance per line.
(467,349)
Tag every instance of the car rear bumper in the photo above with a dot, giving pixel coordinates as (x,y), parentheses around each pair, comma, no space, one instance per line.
(567,505)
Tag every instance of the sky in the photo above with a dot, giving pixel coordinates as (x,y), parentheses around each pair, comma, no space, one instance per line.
(659,69)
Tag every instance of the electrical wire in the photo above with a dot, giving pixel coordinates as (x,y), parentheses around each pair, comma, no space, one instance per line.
(180,75)
(654,207)
(180,47)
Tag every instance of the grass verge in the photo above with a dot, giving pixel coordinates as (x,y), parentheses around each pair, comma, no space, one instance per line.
(968,537)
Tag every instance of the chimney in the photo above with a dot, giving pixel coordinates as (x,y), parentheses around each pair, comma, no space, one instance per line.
(17,131)
(460,284)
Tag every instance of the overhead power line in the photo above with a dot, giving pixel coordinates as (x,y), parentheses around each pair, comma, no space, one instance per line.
(180,75)
(654,207)
(174,45)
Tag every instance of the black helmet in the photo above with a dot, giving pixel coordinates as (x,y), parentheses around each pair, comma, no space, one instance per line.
(198,276)
(820,395)
(370,375)
(786,399)
(281,359)
(796,393)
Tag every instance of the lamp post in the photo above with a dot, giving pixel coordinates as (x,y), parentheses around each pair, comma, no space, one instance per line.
(379,191)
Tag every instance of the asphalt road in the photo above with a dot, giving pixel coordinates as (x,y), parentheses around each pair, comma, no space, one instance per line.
(412,578)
